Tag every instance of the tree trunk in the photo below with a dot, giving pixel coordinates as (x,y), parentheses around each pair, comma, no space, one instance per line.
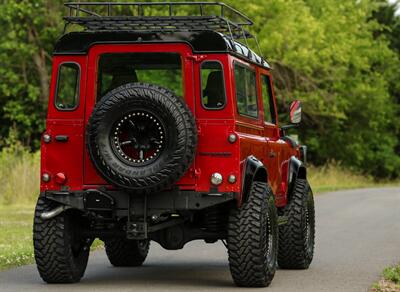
(39,59)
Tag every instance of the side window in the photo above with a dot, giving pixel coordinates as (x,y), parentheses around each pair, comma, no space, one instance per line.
(67,94)
(212,85)
(269,110)
(246,91)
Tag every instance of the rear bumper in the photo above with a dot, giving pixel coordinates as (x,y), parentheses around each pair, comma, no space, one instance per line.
(119,202)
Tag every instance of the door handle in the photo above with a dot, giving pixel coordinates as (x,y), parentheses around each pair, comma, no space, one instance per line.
(61,138)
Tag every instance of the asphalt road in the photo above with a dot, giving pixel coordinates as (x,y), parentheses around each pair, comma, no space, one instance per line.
(358,234)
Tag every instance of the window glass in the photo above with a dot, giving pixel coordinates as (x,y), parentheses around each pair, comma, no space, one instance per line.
(212,85)
(269,112)
(246,91)
(67,86)
(163,69)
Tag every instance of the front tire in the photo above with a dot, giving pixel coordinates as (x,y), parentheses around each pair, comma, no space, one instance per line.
(61,255)
(253,239)
(297,236)
(126,253)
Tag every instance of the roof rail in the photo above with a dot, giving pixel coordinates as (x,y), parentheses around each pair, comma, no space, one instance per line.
(96,16)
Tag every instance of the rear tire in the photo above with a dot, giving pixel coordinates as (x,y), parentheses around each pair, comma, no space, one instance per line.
(61,256)
(126,253)
(297,236)
(253,239)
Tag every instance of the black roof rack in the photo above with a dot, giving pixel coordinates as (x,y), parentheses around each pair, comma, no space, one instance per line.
(160,17)
(95,16)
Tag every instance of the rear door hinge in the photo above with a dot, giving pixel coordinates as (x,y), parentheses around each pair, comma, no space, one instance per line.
(195,172)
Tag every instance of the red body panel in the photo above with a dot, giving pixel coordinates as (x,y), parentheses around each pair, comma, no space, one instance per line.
(65,157)
(214,152)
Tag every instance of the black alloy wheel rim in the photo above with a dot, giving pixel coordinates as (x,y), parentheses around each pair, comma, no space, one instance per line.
(138,138)
(309,232)
(270,243)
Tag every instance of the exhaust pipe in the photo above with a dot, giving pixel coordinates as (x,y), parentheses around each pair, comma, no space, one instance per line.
(53,213)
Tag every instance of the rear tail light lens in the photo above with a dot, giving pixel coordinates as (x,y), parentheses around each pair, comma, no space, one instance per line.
(60,178)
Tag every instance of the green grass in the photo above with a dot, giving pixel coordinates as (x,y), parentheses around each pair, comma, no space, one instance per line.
(15,236)
(16,247)
(390,280)
(19,176)
(392,274)
(334,177)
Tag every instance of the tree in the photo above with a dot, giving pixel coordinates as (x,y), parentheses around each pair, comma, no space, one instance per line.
(325,53)
(28,30)
(341,58)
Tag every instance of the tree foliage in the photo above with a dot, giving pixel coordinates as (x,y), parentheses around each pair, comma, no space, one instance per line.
(28,30)
(341,58)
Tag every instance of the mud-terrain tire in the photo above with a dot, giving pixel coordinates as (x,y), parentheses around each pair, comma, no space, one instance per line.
(126,253)
(61,256)
(176,130)
(252,239)
(297,236)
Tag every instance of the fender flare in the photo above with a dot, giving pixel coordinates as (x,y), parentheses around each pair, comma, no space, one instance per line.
(253,170)
(296,170)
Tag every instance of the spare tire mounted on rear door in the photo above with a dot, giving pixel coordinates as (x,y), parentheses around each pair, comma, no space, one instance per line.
(141,137)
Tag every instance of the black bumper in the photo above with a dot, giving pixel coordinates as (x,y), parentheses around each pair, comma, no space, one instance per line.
(120,202)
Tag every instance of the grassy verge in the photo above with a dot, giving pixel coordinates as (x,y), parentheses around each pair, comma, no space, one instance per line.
(334,177)
(15,236)
(16,247)
(390,280)
(19,176)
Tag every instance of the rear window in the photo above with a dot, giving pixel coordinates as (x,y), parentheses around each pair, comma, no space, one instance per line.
(163,69)
(67,94)
(246,91)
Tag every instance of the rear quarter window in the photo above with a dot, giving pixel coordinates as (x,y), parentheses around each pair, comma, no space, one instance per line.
(67,93)
(213,95)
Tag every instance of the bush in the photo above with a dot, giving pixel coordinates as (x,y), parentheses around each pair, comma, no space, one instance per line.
(392,274)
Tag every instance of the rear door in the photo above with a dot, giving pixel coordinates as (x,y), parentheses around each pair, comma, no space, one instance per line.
(136,63)
(65,123)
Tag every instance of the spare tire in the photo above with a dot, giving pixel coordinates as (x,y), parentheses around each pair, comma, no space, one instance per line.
(141,137)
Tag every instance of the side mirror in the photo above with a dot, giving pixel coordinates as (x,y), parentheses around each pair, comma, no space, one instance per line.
(295,112)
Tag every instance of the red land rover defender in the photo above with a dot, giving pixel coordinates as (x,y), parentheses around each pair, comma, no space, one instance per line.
(165,128)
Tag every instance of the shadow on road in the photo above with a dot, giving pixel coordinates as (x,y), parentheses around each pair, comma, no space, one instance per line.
(178,274)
